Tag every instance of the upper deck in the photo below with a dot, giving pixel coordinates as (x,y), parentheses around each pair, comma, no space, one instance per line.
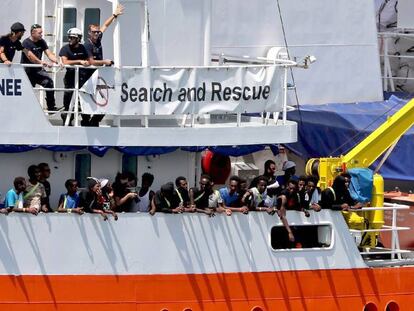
(192,106)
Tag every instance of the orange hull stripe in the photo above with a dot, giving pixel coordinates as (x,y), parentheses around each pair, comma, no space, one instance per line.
(299,290)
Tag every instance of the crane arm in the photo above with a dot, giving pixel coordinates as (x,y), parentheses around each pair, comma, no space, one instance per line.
(367,151)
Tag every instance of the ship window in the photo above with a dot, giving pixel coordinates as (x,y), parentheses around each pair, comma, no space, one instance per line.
(82,168)
(129,164)
(69,21)
(92,17)
(307,236)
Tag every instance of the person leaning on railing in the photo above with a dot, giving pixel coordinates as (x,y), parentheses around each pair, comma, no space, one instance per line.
(10,43)
(14,198)
(73,53)
(37,45)
(338,197)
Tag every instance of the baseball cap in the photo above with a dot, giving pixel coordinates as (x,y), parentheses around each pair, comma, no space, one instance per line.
(288,164)
(16,27)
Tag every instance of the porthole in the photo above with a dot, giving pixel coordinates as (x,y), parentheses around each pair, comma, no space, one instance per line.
(370,306)
(392,306)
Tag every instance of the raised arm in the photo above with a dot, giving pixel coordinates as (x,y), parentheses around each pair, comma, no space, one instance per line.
(118,11)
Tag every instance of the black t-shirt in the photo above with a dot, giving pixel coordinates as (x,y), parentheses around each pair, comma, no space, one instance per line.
(47,186)
(182,196)
(89,201)
(74,53)
(163,204)
(200,198)
(333,200)
(37,48)
(120,191)
(293,201)
(95,49)
(10,47)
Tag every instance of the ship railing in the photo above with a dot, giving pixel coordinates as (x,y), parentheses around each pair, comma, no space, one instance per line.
(394,252)
(386,41)
(239,119)
(279,59)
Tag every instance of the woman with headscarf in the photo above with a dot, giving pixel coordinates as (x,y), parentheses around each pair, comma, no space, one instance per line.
(338,197)
(91,200)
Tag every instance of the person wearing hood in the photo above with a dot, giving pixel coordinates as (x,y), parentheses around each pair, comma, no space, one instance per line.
(91,200)
(164,201)
(338,197)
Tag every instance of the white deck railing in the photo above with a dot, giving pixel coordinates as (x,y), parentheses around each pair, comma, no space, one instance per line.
(395,251)
(184,120)
(387,74)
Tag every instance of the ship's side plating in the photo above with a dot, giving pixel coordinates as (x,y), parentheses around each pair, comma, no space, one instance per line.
(186,261)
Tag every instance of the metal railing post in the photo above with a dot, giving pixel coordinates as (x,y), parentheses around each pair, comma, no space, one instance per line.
(76,105)
(285,95)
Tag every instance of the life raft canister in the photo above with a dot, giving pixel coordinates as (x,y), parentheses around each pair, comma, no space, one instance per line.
(217,166)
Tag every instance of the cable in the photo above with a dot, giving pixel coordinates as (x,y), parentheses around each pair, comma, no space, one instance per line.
(360,132)
(288,53)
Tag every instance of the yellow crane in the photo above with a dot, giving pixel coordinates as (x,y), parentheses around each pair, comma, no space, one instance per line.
(363,155)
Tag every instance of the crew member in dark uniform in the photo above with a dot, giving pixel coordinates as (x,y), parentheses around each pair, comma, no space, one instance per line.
(10,43)
(94,47)
(37,45)
(74,53)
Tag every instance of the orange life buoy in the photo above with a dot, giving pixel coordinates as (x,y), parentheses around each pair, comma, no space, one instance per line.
(217,166)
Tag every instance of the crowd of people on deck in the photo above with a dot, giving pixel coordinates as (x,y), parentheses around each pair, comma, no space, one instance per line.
(266,193)
(74,53)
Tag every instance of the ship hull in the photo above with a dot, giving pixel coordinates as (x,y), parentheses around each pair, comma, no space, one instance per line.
(347,289)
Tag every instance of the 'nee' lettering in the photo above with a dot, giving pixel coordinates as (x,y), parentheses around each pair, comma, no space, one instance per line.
(11,87)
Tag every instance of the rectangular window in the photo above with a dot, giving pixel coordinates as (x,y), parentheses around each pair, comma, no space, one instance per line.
(129,164)
(82,168)
(69,21)
(92,17)
(306,236)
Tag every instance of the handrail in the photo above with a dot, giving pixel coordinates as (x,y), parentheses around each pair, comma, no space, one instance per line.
(74,105)
(394,229)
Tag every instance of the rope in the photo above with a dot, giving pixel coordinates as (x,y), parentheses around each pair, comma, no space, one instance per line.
(288,53)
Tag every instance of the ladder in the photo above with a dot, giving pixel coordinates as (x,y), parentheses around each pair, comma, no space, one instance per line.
(50,17)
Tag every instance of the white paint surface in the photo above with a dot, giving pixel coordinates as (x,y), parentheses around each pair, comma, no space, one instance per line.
(341,34)
(163,244)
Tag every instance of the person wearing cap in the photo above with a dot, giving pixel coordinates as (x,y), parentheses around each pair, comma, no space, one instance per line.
(163,201)
(73,53)
(10,43)
(289,167)
(37,45)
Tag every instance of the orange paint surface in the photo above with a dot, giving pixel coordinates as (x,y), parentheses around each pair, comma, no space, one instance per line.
(300,290)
